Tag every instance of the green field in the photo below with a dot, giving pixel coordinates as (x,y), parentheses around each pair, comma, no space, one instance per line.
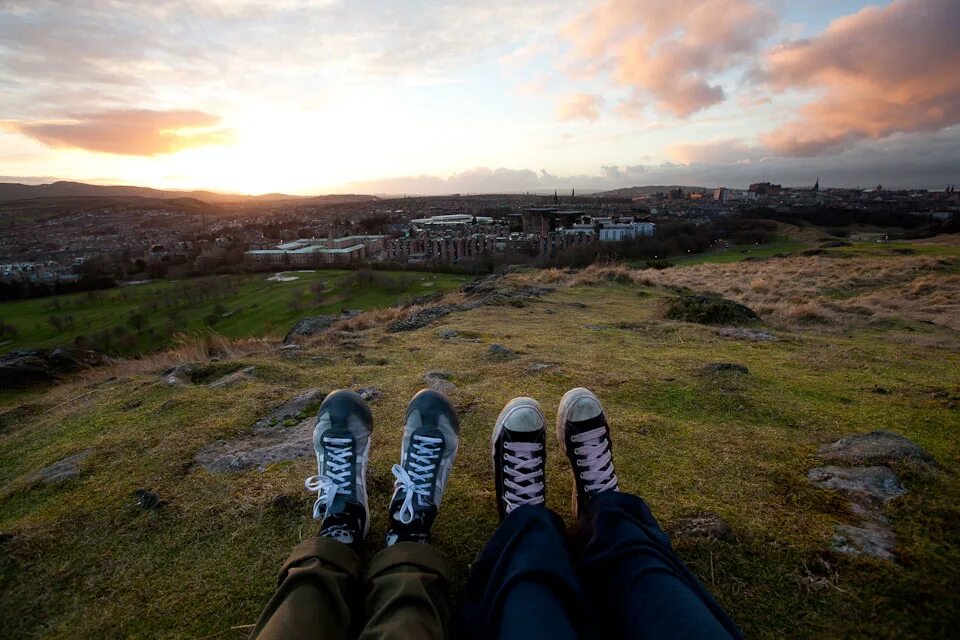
(82,560)
(233,306)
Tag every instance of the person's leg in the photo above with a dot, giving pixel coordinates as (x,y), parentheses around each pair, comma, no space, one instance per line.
(636,584)
(407,583)
(320,583)
(408,593)
(640,583)
(523,584)
(319,588)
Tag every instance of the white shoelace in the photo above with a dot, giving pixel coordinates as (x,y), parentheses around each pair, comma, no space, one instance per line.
(423,463)
(594,457)
(524,462)
(337,454)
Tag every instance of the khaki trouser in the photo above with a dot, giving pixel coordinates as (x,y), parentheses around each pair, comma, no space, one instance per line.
(323,594)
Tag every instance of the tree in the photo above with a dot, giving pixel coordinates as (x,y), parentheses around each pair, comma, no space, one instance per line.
(137,320)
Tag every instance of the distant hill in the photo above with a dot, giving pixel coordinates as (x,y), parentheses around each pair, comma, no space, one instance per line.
(17,191)
(633,192)
(32,208)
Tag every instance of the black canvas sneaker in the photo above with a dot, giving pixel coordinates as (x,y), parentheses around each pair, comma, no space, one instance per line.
(341,439)
(429,447)
(519,455)
(584,436)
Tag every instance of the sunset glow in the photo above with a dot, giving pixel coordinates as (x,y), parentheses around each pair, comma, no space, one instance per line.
(318,97)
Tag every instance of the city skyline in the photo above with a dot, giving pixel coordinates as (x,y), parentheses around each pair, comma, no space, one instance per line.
(309,97)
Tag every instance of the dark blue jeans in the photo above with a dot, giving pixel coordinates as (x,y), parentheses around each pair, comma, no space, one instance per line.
(614,576)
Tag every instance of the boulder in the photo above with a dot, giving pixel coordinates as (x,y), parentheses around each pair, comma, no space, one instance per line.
(308,326)
(873,484)
(741,333)
(294,408)
(257,450)
(235,378)
(876,447)
(22,367)
(869,539)
(500,352)
(440,381)
(179,375)
(62,470)
(709,308)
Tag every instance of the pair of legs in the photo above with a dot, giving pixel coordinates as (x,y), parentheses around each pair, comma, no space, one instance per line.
(323,591)
(614,576)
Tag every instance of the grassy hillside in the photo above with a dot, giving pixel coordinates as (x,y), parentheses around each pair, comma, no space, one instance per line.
(80,559)
(233,306)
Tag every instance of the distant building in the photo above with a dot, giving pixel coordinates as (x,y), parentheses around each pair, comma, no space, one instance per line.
(733,195)
(765,189)
(617,231)
(318,251)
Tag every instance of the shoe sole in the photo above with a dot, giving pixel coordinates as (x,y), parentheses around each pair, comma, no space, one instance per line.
(566,402)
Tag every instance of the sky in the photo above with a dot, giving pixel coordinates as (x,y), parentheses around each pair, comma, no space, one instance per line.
(420,97)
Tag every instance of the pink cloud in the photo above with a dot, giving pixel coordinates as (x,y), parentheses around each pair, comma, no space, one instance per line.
(580,106)
(671,51)
(140,132)
(880,71)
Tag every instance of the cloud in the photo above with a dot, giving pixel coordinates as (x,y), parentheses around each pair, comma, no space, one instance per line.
(719,152)
(670,51)
(879,71)
(580,106)
(139,132)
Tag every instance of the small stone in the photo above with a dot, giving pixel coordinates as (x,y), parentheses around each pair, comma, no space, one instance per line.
(594,327)
(234,378)
(724,367)
(64,469)
(181,374)
(537,367)
(741,333)
(500,352)
(292,408)
(132,404)
(869,539)
(876,447)
(702,525)
(448,334)
(874,484)
(437,374)
(370,394)
(148,500)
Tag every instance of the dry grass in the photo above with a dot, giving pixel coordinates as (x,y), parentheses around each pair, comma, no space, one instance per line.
(187,348)
(374,318)
(806,290)
(803,290)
